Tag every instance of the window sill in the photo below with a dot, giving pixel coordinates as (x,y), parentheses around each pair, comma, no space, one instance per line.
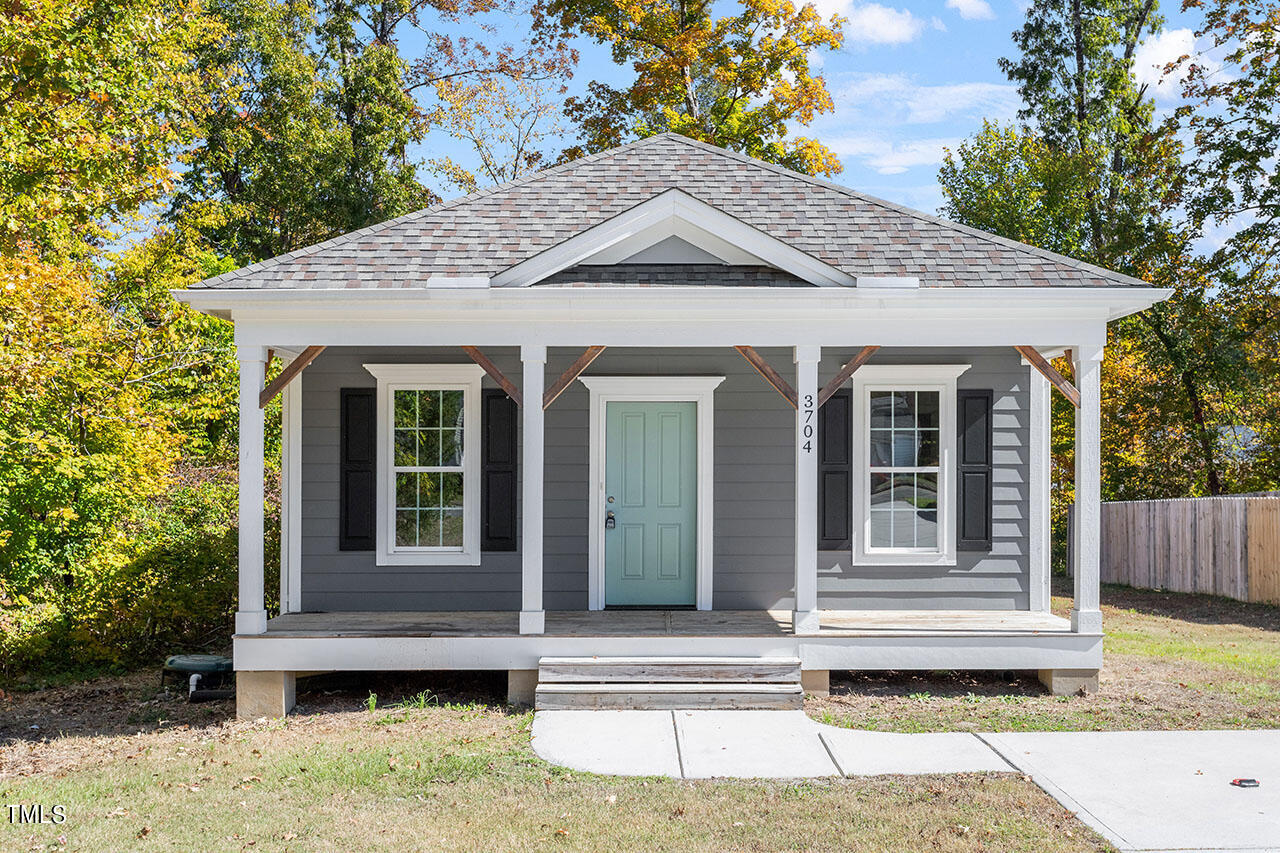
(874,559)
(429,558)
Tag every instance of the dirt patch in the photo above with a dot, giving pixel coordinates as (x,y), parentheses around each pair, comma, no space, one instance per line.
(1171,661)
(60,729)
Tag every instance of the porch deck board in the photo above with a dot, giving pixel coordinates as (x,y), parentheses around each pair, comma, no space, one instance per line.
(670,623)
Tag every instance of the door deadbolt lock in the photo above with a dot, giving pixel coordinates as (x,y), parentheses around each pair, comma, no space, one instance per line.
(610,522)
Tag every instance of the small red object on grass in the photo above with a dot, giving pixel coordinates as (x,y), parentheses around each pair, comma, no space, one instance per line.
(1245,783)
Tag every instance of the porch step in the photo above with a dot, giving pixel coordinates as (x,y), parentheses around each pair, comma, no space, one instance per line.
(669,669)
(669,683)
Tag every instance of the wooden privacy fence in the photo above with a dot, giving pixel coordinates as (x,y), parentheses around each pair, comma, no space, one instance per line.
(1227,546)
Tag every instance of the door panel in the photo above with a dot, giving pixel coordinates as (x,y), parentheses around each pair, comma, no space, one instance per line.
(651,472)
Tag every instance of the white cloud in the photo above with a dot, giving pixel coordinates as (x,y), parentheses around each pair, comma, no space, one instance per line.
(889,157)
(871,23)
(972,10)
(897,97)
(1155,53)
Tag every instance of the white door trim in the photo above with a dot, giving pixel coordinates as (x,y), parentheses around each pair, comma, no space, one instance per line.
(658,389)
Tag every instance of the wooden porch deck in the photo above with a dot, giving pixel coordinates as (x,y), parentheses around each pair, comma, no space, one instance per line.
(665,623)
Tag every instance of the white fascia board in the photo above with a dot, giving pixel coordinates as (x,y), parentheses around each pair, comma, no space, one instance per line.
(674,316)
(678,302)
(658,214)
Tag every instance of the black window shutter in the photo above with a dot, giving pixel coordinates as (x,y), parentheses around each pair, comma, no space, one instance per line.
(834,472)
(973,515)
(357,481)
(499,452)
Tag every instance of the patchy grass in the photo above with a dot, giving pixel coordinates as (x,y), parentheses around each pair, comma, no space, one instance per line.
(1171,661)
(450,768)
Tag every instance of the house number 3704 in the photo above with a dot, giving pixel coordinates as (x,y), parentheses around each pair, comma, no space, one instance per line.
(806,423)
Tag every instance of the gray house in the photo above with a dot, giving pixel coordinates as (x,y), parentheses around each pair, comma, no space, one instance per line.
(670,425)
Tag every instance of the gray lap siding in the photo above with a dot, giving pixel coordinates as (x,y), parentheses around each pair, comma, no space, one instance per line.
(754,485)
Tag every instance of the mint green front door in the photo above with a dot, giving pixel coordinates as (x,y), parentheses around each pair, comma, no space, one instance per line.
(651,488)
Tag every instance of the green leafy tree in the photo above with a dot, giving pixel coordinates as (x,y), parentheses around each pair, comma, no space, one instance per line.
(1012,182)
(1234,120)
(315,133)
(738,81)
(98,98)
(1074,73)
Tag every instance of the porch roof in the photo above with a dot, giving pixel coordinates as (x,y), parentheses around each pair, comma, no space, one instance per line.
(481,235)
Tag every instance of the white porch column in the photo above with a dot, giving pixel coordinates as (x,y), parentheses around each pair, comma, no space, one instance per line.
(805,617)
(251,617)
(1039,398)
(1086,615)
(291,497)
(532,616)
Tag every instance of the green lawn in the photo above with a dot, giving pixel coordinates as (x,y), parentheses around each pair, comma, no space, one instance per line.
(138,769)
(1171,661)
(463,777)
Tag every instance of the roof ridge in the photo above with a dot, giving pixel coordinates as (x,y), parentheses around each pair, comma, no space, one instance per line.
(1066,260)
(314,248)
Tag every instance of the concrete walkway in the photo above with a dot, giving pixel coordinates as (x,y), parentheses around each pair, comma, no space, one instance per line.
(1143,791)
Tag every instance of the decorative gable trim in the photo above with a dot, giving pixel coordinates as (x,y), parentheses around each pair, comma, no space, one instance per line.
(673,212)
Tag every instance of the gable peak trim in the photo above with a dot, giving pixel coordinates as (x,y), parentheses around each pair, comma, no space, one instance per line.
(674,212)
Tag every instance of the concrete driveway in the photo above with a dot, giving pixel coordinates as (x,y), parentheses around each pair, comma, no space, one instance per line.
(1143,791)
(1160,790)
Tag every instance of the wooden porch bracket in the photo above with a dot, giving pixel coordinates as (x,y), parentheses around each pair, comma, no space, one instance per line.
(845,372)
(286,376)
(574,371)
(770,375)
(494,373)
(1056,379)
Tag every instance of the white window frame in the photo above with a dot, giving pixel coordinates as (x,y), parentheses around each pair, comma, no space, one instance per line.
(417,377)
(914,377)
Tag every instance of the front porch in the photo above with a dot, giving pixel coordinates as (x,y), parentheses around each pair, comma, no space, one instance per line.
(846,639)
(664,623)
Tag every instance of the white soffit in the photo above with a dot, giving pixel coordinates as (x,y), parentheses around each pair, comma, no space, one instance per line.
(673,213)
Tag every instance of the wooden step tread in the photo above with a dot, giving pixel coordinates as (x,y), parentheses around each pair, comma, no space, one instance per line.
(674,670)
(669,697)
(689,659)
(712,687)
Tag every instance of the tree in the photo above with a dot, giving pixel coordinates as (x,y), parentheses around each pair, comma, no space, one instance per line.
(736,81)
(1011,182)
(315,135)
(98,98)
(505,122)
(1075,77)
(1234,120)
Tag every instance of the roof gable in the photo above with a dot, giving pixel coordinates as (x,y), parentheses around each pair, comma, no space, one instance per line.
(673,212)
(831,228)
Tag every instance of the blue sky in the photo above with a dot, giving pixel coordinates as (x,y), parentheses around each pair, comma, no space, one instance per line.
(912,78)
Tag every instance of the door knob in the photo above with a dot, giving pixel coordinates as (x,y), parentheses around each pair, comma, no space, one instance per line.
(610,522)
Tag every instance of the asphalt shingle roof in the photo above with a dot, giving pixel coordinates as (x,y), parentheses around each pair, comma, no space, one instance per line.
(491,230)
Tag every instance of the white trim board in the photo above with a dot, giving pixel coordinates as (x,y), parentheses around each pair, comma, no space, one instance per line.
(291,496)
(673,213)
(1039,403)
(908,377)
(664,389)
(460,377)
